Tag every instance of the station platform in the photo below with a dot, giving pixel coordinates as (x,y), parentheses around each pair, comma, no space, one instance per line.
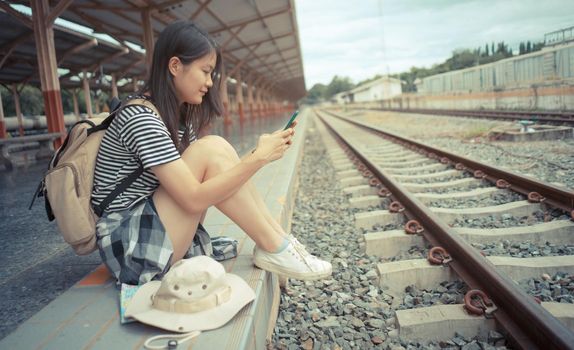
(37,267)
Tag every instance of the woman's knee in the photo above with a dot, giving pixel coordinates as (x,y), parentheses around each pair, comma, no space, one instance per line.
(213,150)
(222,144)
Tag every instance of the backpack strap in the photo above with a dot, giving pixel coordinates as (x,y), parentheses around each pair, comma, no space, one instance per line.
(122,186)
(142,102)
(99,209)
(117,107)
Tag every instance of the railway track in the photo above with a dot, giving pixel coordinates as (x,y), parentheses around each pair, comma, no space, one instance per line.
(547,117)
(411,197)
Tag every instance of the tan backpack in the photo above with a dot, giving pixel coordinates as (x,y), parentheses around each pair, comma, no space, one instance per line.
(67,185)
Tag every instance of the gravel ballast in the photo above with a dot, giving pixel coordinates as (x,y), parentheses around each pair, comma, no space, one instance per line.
(550,161)
(348,311)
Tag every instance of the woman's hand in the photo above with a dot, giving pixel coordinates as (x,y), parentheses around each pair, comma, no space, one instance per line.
(292,127)
(272,146)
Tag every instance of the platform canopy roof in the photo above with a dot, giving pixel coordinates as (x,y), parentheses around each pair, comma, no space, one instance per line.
(75,52)
(259,37)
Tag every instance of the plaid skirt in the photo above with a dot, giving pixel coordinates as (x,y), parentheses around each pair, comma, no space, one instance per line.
(134,244)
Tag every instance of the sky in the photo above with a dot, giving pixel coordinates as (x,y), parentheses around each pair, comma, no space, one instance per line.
(361,38)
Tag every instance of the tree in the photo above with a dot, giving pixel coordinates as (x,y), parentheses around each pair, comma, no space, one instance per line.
(528,46)
(537,46)
(461,59)
(315,94)
(486,50)
(31,101)
(521,48)
(477,55)
(378,76)
(338,84)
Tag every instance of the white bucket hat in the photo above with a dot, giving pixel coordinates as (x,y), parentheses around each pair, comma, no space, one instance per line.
(195,294)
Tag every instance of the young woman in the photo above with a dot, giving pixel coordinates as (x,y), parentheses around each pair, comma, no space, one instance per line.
(151,225)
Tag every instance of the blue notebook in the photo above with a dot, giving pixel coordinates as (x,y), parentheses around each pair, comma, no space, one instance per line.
(127,292)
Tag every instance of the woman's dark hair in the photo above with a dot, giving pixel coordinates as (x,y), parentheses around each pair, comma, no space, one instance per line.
(188,42)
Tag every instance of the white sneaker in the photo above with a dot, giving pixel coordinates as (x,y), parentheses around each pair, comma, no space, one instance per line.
(300,245)
(293,262)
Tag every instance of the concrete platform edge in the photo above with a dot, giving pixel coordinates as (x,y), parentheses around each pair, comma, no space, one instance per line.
(91,308)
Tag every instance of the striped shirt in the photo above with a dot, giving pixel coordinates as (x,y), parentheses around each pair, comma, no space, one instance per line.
(136,135)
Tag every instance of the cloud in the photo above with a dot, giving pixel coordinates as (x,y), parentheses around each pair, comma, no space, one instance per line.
(372,37)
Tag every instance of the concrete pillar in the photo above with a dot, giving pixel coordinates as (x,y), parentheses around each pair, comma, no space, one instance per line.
(239,95)
(114,86)
(276,104)
(75,102)
(3,133)
(18,108)
(87,96)
(232,105)
(258,101)
(97,107)
(268,105)
(224,96)
(264,104)
(261,101)
(43,20)
(250,98)
(135,84)
(147,36)
(268,100)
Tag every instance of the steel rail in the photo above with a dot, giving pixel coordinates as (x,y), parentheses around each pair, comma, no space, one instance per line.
(544,116)
(554,196)
(528,324)
(566,114)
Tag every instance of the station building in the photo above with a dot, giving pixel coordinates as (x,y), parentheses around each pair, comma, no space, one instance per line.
(377,90)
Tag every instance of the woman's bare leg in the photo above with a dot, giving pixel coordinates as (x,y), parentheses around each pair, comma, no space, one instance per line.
(206,158)
(202,217)
(264,209)
(180,225)
(243,207)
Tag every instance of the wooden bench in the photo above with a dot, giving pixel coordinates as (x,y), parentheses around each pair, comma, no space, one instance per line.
(46,146)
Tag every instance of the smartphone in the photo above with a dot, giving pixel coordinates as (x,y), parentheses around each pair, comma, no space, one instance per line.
(291,120)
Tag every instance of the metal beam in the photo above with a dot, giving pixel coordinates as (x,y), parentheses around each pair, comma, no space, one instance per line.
(236,37)
(249,20)
(147,36)
(200,9)
(106,7)
(261,41)
(19,40)
(274,38)
(109,58)
(243,61)
(123,71)
(27,21)
(88,44)
(12,46)
(95,23)
(58,9)
(165,4)
(232,37)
